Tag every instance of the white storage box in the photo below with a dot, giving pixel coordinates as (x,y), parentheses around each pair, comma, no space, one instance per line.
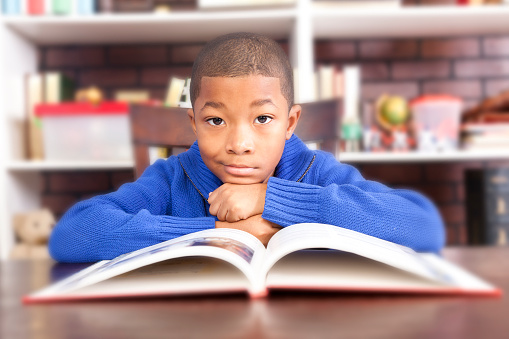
(437,120)
(81,131)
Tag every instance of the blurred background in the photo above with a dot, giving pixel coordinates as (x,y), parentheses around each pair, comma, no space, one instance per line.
(424,87)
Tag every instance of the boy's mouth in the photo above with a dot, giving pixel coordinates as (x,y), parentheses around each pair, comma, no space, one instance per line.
(238,170)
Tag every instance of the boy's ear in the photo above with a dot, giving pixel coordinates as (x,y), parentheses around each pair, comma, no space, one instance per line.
(293,119)
(190,114)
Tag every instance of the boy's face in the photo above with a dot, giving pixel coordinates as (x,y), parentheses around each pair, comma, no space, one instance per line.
(241,125)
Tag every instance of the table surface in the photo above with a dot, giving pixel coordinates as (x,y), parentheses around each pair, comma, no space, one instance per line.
(283,315)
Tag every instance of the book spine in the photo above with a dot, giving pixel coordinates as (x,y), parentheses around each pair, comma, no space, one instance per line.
(35,7)
(134,6)
(487,205)
(475,207)
(496,191)
(35,96)
(326,81)
(62,7)
(105,6)
(48,7)
(85,7)
(11,7)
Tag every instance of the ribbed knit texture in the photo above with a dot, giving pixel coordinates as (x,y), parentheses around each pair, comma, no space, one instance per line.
(169,200)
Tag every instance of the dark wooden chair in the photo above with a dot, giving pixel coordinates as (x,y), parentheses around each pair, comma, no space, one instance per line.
(153,126)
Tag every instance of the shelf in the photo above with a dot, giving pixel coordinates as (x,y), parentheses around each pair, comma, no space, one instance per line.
(27,166)
(331,22)
(454,156)
(151,28)
(328,22)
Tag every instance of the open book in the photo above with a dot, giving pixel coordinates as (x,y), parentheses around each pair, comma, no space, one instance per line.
(301,256)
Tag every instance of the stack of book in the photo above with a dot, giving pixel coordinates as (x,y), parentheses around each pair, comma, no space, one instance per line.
(331,4)
(485,136)
(86,7)
(487,206)
(50,88)
(49,7)
(221,4)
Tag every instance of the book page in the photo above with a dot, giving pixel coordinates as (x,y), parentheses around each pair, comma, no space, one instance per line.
(179,276)
(344,271)
(306,236)
(338,270)
(240,249)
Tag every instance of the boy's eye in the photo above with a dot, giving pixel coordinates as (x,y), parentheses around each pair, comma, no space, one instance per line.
(215,121)
(263,119)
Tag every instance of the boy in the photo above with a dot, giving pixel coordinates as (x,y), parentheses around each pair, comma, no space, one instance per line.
(247,171)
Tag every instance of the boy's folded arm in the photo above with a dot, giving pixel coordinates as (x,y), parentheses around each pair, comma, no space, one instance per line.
(340,196)
(131,218)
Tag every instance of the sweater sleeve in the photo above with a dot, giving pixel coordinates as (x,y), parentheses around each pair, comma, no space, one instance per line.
(340,196)
(131,218)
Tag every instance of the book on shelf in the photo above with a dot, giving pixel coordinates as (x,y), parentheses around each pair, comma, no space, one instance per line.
(487,202)
(174,92)
(220,4)
(58,88)
(62,7)
(40,88)
(34,96)
(11,7)
(58,7)
(330,82)
(485,136)
(105,6)
(133,96)
(85,7)
(158,152)
(331,4)
(36,7)
(133,6)
(299,257)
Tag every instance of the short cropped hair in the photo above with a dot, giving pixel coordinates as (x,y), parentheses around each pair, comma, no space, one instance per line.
(242,54)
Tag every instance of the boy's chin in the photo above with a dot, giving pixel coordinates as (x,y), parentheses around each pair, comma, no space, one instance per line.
(244,180)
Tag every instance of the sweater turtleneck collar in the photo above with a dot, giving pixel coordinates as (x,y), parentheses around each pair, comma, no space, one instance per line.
(294,163)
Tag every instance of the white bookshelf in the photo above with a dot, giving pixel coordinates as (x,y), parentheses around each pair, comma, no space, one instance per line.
(150,28)
(408,22)
(301,24)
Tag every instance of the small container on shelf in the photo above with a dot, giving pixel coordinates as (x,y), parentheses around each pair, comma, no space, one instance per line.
(437,122)
(84,132)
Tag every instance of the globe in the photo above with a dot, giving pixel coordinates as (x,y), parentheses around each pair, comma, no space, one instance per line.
(395,110)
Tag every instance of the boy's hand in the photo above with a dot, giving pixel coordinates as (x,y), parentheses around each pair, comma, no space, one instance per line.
(233,202)
(256,225)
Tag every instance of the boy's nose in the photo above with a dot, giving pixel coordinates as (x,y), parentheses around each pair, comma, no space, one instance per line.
(240,142)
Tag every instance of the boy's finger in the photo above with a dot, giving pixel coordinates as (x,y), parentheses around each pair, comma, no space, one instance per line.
(221,214)
(231,217)
(213,208)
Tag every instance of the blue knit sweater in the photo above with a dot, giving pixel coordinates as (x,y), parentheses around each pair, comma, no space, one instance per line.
(169,200)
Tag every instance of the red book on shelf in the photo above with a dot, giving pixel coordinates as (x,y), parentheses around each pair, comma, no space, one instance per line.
(35,7)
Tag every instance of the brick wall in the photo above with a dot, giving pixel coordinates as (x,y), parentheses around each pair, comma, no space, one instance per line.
(471,67)
(61,189)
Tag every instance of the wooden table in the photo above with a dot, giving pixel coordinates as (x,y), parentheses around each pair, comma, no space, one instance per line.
(285,315)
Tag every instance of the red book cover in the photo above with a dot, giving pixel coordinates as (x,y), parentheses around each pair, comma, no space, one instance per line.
(35,7)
